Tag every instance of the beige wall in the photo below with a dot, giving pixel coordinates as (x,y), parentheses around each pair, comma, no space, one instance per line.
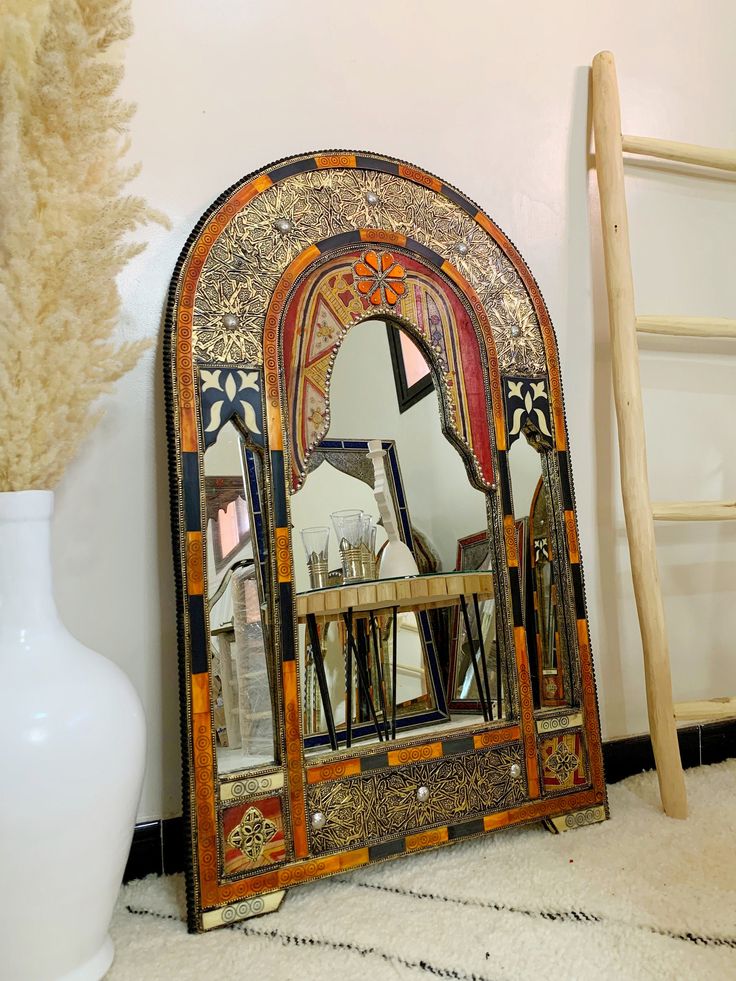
(494,98)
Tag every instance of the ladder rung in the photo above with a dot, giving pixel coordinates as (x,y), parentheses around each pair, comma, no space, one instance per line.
(687,326)
(704,156)
(710,708)
(694,510)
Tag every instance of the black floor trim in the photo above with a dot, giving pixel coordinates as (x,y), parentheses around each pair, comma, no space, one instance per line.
(158,846)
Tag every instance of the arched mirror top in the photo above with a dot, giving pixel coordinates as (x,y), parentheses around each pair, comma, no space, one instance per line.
(337,293)
(258,239)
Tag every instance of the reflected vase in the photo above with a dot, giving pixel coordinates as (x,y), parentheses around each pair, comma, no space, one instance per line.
(72,732)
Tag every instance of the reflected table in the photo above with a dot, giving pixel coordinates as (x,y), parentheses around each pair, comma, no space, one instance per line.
(359,604)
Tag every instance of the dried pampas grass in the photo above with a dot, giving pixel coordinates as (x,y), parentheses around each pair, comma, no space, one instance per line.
(65,225)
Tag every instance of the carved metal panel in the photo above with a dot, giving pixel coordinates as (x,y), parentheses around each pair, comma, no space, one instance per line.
(402,799)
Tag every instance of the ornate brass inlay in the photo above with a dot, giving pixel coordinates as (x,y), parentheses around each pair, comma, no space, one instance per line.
(376,805)
(259,242)
(252,834)
(562,762)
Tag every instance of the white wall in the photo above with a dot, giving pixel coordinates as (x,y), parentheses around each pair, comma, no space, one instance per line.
(493,97)
(363,403)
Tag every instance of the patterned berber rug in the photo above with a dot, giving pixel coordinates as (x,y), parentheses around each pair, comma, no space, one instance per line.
(638,897)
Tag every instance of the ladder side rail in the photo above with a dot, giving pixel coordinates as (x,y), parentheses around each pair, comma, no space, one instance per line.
(632,442)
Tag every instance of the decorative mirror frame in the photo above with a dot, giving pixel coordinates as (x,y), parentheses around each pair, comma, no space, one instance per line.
(389,232)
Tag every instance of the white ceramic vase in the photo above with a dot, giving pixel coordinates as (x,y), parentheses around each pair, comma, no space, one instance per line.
(72,744)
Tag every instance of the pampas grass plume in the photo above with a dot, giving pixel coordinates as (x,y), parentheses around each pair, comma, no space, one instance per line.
(65,229)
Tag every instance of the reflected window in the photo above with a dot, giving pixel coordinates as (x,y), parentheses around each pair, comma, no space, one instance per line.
(227,510)
(412,376)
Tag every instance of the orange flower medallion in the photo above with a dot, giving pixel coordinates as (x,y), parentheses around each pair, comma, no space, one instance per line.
(380,277)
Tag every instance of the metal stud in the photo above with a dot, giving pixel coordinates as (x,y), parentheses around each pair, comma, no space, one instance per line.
(422,794)
(462,248)
(515,770)
(319,820)
(515,330)
(230,321)
(371,197)
(282,225)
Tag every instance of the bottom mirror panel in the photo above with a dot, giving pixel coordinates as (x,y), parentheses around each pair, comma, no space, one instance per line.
(367,650)
(378,695)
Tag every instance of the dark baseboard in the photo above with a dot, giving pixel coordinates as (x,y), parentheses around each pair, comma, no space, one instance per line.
(700,745)
(158,846)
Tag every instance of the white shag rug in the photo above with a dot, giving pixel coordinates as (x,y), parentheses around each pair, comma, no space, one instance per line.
(638,897)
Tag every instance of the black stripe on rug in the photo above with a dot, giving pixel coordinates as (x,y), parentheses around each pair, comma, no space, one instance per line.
(297,940)
(570,916)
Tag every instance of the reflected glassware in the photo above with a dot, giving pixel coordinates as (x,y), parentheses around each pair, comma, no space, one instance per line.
(315,544)
(348,525)
(368,547)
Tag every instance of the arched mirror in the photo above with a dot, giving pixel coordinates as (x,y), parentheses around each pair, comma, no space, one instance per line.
(367,443)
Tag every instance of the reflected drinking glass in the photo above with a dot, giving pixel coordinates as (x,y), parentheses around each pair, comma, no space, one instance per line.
(348,526)
(368,547)
(315,544)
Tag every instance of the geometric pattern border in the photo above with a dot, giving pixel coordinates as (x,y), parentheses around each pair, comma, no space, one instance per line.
(247,786)
(242,911)
(557,723)
(576,819)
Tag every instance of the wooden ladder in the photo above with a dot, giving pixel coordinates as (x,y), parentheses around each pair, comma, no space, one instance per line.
(639,510)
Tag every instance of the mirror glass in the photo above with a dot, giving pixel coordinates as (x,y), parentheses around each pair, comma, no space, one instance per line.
(242,709)
(425,504)
(342,479)
(464,677)
(550,647)
(539,575)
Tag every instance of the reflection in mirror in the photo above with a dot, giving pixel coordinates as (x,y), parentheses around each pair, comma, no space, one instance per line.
(360,675)
(544,628)
(242,707)
(549,637)
(470,661)
(341,486)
